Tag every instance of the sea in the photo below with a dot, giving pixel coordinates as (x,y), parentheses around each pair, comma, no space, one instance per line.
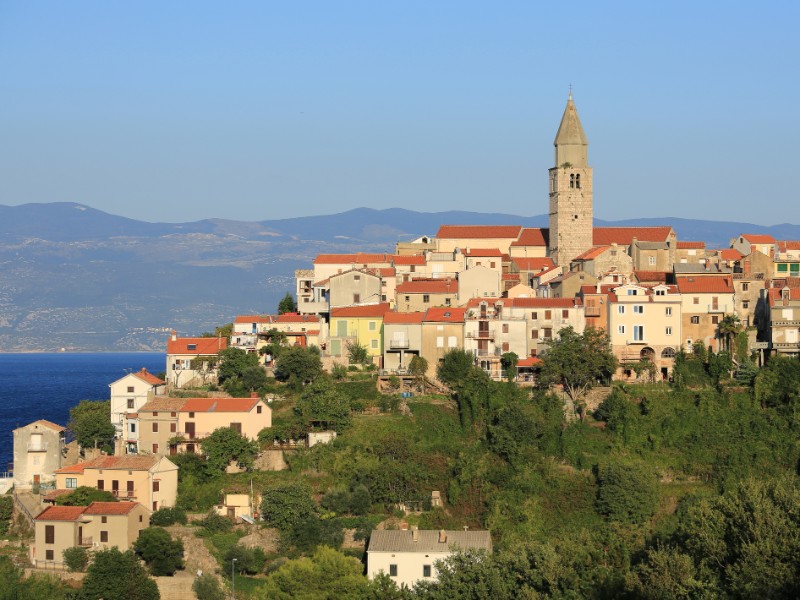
(46,385)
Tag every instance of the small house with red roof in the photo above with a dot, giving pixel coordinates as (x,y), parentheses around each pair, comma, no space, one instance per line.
(99,526)
(706,299)
(754,242)
(690,252)
(130,392)
(531,243)
(422,294)
(192,360)
(442,331)
(402,339)
(361,325)
(38,453)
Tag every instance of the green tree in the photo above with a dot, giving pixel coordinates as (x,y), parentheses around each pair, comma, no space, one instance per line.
(287,304)
(90,422)
(6,512)
(223,331)
(298,366)
(76,559)
(455,365)
(165,517)
(207,587)
(285,506)
(277,342)
(357,353)
(249,561)
(664,574)
(323,403)
(778,384)
(626,491)
(233,364)
(720,365)
(418,367)
(509,362)
(159,551)
(578,362)
(115,574)
(84,496)
(225,445)
(727,329)
(15,586)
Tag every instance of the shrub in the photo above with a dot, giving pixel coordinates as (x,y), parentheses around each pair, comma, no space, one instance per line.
(248,560)
(207,587)
(168,516)
(84,496)
(6,512)
(76,559)
(215,523)
(627,492)
(338,372)
(284,507)
(162,554)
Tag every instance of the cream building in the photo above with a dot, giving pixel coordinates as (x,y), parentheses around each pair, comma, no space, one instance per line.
(409,556)
(442,331)
(705,300)
(38,452)
(478,282)
(192,361)
(422,294)
(99,526)
(150,480)
(458,237)
(402,339)
(129,394)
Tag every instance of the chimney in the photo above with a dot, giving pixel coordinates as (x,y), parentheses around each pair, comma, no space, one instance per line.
(254,395)
(442,536)
(404,526)
(174,336)
(414,534)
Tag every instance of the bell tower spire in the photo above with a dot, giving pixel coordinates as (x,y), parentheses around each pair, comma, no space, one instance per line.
(571,203)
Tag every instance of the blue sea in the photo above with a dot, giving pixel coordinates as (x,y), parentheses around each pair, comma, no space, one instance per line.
(46,386)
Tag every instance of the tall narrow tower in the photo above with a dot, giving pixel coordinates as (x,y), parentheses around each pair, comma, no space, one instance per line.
(570,191)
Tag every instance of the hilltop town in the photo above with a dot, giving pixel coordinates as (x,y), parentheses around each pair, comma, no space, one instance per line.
(402,409)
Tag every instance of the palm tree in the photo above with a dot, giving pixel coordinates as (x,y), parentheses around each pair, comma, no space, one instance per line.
(729,327)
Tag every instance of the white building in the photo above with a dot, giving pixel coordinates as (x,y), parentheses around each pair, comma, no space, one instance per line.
(129,394)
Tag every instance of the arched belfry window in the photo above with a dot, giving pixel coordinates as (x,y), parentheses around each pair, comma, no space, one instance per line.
(578,181)
(572,181)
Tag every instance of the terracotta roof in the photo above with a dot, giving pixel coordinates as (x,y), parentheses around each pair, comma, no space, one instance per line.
(691,245)
(109,508)
(428,286)
(399,540)
(785,245)
(533,264)
(592,289)
(704,285)
(624,235)
(198,346)
(367,310)
(443,314)
(219,405)
(128,462)
(592,253)
(524,302)
(408,259)
(44,423)
(478,231)
(296,318)
(61,513)
(730,254)
(651,275)
(53,494)
(253,319)
(533,236)
(147,377)
(530,361)
(350,259)
(775,295)
(482,252)
(510,277)
(758,238)
(403,317)
(162,403)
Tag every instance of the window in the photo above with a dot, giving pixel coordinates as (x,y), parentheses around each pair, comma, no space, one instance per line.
(572,180)
(447,301)
(155,448)
(651,261)
(695,300)
(104,536)
(48,554)
(621,309)
(141,519)
(155,427)
(621,328)
(155,414)
(155,485)
(258,409)
(101,484)
(374,344)
(104,519)
(505,327)
(661,293)
(173,427)
(452,342)
(668,331)
(745,286)
(638,309)
(534,315)
(426,298)
(548,333)
(130,403)
(372,326)
(548,314)
(745,305)
(534,334)
(492,264)
(49,534)
(695,320)
(130,389)
(565,313)
(668,353)
(715,320)
(191,346)
(174,414)
(392,570)
(439,341)
(408,298)
(191,415)
(577,183)
(426,570)
(356,277)
(638,333)
(72,483)
(668,311)
(356,298)
(633,292)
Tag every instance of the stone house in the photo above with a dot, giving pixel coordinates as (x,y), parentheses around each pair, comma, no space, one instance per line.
(754,242)
(39,452)
(422,294)
(705,300)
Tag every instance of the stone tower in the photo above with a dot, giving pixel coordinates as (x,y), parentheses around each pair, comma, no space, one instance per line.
(570,191)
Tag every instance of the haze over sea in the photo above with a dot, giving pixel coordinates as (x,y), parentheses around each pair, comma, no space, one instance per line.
(46,386)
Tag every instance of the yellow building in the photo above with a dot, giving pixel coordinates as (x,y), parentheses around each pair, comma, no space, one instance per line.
(358,324)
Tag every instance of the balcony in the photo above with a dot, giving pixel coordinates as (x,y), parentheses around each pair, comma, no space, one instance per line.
(785,323)
(486,353)
(399,344)
(786,345)
(480,335)
(592,311)
(719,308)
(123,493)
(38,446)
(86,542)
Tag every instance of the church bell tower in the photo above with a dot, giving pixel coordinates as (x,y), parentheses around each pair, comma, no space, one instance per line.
(571,215)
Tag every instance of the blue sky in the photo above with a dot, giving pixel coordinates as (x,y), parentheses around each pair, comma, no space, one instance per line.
(176,111)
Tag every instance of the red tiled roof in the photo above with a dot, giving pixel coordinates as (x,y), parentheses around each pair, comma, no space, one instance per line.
(408,259)
(219,405)
(758,238)
(704,285)
(478,231)
(539,263)
(624,235)
(533,236)
(403,317)
(524,302)
(147,377)
(53,494)
(592,289)
(592,253)
(109,508)
(129,463)
(691,245)
(482,252)
(203,346)
(296,318)
(775,294)
(785,245)
(162,403)
(442,314)
(510,277)
(642,276)
(351,259)
(428,286)
(60,513)
(253,319)
(530,361)
(45,423)
(368,310)
(730,254)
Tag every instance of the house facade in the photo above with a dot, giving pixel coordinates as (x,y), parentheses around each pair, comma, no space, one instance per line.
(39,450)
(192,361)
(130,393)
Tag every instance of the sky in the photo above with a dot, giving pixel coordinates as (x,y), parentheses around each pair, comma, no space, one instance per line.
(180,111)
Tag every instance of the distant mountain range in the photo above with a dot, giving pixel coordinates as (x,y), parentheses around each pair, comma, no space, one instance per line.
(78,278)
